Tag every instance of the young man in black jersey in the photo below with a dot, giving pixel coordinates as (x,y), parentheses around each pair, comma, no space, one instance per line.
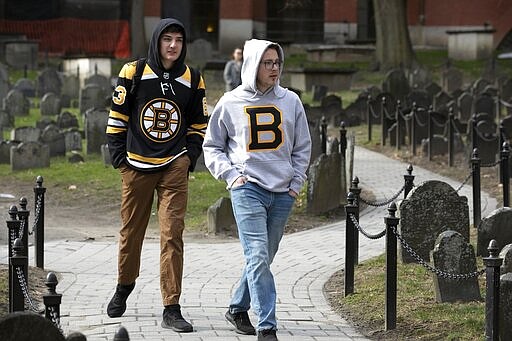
(155,132)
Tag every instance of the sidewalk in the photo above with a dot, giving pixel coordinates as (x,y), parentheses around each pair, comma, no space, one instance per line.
(304,263)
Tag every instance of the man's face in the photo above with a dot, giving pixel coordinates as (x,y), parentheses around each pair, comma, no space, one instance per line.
(268,70)
(171,44)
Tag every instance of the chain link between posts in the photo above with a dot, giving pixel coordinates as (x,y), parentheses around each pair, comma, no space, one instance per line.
(382,203)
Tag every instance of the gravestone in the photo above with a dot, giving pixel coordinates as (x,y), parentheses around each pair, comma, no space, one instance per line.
(419,78)
(487,141)
(29,155)
(417,97)
(26,86)
(357,109)
(49,80)
(220,218)
(316,141)
(100,80)
(506,90)
(67,120)
(92,96)
(54,138)
(5,150)
(199,52)
(441,100)
(16,104)
(465,105)
(428,210)
(453,254)
(396,84)
(105,155)
(479,86)
(28,326)
(50,104)
(72,139)
(324,185)
(95,126)
(332,109)
(451,79)
(432,89)
(26,134)
(44,122)
(484,103)
(506,255)
(319,92)
(505,305)
(70,89)
(6,120)
(495,226)
(4,82)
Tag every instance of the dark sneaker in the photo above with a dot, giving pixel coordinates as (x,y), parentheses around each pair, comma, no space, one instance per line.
(117,305)
(267,335)
(172,319)
(241,322)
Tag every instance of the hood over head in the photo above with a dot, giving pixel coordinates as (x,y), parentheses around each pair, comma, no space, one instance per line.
(154,53)
(253,52)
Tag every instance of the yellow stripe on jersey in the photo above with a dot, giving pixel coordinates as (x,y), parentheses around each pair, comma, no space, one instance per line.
(152,160)
(118,115)
(115,130)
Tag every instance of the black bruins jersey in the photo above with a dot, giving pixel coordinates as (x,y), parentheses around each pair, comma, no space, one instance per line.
(165,118)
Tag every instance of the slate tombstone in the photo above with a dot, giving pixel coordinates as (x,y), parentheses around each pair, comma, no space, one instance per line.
(357,109)
(495,226)
(420,121)
(49,80)
(324,184)
(479,86)
(5,150)
(220,218)
(428,210)
(465,105)
(396,84)
(29,155)
(100,80)
(487,141)
(6,120)
(453,254)
(44,122)
(441,100)
(419,98)
(26,134)
(72,139)
(506,255)
(332,109)
(419,78)
(70,89)
(4,81)
(316,142)
(16,104)
(505,311)
(92,96)
(451,79)
(484,103)
(50,104)
(432,90)
(54,138)
(28,326)
(95,127)
(67,119)
(506,90)
(26,86)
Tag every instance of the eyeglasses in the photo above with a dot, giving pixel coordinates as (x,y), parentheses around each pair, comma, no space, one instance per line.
(269,64)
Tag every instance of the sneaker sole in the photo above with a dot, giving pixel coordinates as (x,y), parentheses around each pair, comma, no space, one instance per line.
(177,330)
(238,331)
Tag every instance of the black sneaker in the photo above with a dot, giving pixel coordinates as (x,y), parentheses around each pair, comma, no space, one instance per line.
(172,319)
(117,305)
(241,322)
(267,335)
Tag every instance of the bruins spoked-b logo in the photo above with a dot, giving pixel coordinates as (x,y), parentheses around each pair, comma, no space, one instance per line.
(160,120)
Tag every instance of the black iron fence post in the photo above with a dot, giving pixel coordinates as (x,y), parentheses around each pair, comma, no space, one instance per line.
(391,267)
(323,135)
(13,226)
(52,300)
(343,140)
(23,214)
(430,131)
(413,128)
(121,334)
(357,192)
(492,296)
(369,116)
(351,210)
(17,261)
(398,114)
(505,179)
(475,174)
(408,181)
(39,191)
(383,118)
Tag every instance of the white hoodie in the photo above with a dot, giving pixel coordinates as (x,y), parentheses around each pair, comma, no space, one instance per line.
(262,136)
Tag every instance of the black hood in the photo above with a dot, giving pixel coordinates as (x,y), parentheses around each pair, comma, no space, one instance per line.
(153,54)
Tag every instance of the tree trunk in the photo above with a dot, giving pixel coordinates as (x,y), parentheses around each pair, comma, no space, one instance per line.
(138,35)
(393,44)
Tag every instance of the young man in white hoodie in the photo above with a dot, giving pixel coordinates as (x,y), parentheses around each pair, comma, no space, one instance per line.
(258,142)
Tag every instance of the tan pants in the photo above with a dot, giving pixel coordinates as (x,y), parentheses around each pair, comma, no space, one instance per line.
(137,192)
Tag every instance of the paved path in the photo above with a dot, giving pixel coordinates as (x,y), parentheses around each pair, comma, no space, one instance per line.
(304,263)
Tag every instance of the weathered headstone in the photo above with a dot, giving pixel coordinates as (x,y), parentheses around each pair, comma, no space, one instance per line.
(70,86)
(50,104)
(4,82)
(324,185)
(419,77)
(495,226)
(465,105)
(451,79)
(453,254)
(26,134)
(484,103)
(54,138)
(100,80)
(429,209)
(220,218)
(105,155)
(506,255)
(49,80)
(26,86)
(29,155)
(6,120)
(479,85)
(505,305)
(396,84)
(95,127)
(432,90)
(67,120)
(28,326)
(72,139)
(16,104)
(92,96)
(487,141)
(5,150)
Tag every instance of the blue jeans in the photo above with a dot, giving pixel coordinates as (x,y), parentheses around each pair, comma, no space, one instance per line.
(261,216)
